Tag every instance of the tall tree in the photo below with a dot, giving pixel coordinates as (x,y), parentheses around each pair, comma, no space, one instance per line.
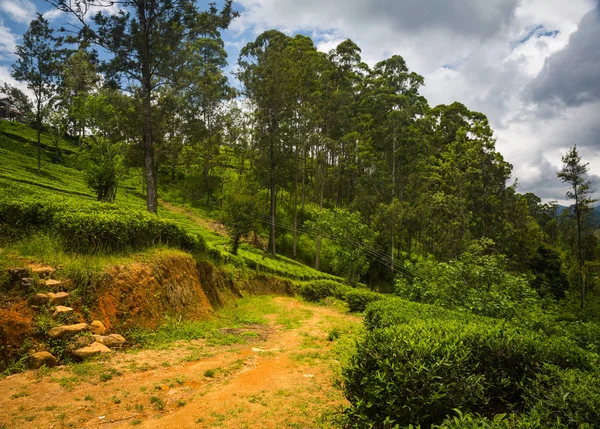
(148,41)
(79,79)
(574,173)
(263,73)
(37,66)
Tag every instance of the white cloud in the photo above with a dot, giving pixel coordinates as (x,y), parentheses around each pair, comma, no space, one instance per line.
(8,43)
(53,14)
(481,53)
(6,77)
(22,11)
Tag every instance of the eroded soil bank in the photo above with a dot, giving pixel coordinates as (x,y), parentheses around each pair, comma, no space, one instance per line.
(139,295)
(285,374)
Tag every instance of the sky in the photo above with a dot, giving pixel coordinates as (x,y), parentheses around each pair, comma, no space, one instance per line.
(532,66)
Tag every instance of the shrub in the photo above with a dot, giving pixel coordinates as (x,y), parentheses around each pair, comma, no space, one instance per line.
(320,289)
(394,311)
(358,299)
(93,227)
(418,373)
(475,282)
(571,395)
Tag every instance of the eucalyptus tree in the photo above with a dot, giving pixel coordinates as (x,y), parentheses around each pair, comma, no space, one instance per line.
(466,180)
(205,94)
(80,79)
(263,73)
(37,66)
(304,66)
(148,42)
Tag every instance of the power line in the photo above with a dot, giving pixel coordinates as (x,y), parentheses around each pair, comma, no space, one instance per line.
(374,253)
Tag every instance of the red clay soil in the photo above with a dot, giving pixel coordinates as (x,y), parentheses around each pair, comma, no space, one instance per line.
(284,378)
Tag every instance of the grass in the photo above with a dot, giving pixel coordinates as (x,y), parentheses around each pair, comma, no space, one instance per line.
(18,171)
(249,310)
(210,373)
(158,403)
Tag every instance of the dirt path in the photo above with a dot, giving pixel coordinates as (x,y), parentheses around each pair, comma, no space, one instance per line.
(286,377)
(211,225)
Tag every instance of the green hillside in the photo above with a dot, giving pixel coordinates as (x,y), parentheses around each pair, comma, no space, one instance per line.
(61,184)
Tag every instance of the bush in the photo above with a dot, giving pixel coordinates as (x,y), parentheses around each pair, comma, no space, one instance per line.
(418,373)
(395,311)
(320,289)
(571,395)
(93,227)
(358,299)
(475,282)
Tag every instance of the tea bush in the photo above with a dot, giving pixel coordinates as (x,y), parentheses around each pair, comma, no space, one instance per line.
(395,311)
(417,373)
(89,227)
(320,289)
(358,299)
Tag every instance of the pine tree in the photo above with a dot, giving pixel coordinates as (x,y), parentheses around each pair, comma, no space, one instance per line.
(574,174)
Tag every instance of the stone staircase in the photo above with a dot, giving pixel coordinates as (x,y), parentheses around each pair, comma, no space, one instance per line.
(84,340)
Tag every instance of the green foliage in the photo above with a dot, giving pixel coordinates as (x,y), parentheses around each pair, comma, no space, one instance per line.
(499,421)
(358,299)
(240,211)
(476,282)
(395,311)
(350,236)
(92,227)
(320,289)
(104,169)
(417,373)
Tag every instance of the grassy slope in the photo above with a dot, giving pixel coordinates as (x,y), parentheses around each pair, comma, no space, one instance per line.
(18,171)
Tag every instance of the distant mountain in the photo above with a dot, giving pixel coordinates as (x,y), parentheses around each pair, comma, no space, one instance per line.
(595,212)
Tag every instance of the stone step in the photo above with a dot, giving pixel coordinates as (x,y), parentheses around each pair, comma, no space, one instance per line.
(68,330)
(37,360)
(52,298)
(92,350)
(17,274)
(53,284)
(43,272)
(61,309)
(112,340)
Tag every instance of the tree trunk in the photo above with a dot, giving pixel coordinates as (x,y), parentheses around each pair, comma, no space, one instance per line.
(318,250)
(152,195)
(39,135)
(273,194)
(295,216)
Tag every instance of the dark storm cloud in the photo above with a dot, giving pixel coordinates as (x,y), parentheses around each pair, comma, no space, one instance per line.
(470,17)
(571,77)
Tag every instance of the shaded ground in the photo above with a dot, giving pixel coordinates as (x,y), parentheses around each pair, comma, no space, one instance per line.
(285,376)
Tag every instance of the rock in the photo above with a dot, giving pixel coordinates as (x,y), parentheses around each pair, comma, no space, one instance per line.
(39,359)
(27,282)
(94,349)
(42,272)
(67,330)
(112,340)
(51,283)
(84,341)
(58,298)
(61,309)
(16,274)
(97,327)
(39,299)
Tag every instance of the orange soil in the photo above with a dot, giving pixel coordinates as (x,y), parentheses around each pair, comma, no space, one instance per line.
(285,378)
